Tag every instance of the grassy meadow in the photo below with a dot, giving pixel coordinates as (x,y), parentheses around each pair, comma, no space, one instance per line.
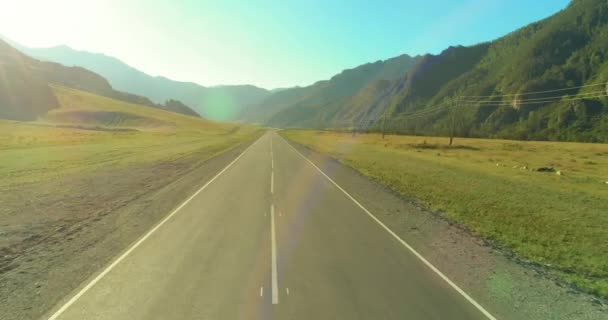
(89,132)
(493,188)
(85,180)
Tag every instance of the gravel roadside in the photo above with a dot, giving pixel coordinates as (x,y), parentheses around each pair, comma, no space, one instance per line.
(508,288)
(55,235)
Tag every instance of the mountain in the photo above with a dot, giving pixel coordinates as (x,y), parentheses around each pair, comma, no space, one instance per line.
(566,50)
(25,90)
(418,81)
(178,107)
(218,103)
(347,112)
(300,106)
(24,94)
(494,86)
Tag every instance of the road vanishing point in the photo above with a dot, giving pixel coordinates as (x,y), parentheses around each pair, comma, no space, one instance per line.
(271,236)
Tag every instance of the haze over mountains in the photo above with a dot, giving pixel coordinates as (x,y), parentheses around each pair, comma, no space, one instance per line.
(216,103)
(23,94)
(302,106)
(566,50)
(412,95)
(25,86)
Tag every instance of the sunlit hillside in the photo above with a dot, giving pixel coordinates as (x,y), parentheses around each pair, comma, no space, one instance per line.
(86,110)
(88,131)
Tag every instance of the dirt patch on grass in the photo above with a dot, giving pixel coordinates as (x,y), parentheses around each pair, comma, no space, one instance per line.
(55,234)
(435,146)
(105,118)
(91,128)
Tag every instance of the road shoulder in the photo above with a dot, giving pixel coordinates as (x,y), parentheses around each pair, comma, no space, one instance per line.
(106,212)
(505,287)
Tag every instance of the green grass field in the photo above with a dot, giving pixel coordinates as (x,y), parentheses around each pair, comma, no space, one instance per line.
(89,132)
(492,188)
(84,181)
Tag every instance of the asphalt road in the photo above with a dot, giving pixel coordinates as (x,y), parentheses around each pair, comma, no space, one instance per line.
(270,237)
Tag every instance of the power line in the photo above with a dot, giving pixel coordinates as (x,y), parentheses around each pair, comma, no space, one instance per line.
(524,102)
(470,100)
(539,99)
(421,112)
(413,116)
(398,116)
(434,109)
(538,92)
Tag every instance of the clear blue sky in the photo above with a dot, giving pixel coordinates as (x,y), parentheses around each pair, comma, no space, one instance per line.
(266,43)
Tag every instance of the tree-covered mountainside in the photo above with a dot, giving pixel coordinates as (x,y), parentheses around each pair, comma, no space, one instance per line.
(567,50)
(305,105)
(381,97)
(485,90)
(25,93)
(357,110)
(218,103)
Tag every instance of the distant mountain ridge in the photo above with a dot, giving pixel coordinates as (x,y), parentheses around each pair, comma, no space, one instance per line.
(566,50)
(25,93)
(216,103)
(301,105)
(434,94)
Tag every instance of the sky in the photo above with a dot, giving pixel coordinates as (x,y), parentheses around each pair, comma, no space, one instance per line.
(271,44)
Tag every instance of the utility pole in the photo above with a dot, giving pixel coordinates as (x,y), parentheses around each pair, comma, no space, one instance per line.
(452,129)
(383,125)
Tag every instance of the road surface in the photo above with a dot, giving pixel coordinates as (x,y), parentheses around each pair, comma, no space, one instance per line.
(270,237)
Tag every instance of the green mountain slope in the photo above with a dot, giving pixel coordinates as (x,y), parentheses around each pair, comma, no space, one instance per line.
(300,106)
(569,49)
(422,81)
(495,82)
(357,110)
(219,103)
(24,95)
(25,92)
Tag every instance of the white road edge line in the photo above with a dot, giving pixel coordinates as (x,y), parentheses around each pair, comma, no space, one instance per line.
(142,239)
(275,282)
(261,291)
(405,244)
